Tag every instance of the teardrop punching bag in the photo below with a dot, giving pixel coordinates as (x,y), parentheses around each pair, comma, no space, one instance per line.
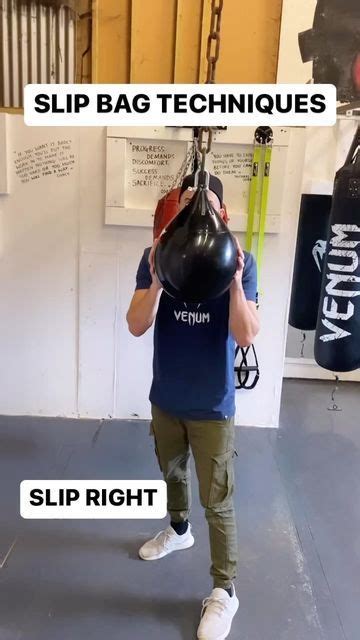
(337,338)
(196,256)
(309,260)
(168,207)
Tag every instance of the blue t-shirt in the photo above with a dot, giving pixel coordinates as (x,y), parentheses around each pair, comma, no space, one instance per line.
(193,365)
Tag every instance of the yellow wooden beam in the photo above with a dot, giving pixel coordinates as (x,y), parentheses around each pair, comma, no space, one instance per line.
(95,40)
(111,41)
(187,42)
(16,110)
(83,27)
(165,41)
(205,28)
(249,41)
(153,28)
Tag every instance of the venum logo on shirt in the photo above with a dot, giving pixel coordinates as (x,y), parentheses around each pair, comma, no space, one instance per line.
(192,317)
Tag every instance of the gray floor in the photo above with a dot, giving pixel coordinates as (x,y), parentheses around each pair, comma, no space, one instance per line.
(298,506)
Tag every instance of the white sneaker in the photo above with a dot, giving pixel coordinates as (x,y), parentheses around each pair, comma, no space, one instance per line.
(165,542)
(217,614)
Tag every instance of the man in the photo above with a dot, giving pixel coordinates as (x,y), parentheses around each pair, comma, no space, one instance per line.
(193,406)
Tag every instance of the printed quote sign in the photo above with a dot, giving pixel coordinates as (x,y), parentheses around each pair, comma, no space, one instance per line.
(140,171)
(46,159)
(151,169)
(233,165)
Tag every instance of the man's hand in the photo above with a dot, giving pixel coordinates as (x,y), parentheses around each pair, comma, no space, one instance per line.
(237,281)
(244,322)
(144,303)
(155,280)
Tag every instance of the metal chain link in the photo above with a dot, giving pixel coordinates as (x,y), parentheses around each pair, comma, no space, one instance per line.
(212,56)
(214,36)
(186,163)
(334,406)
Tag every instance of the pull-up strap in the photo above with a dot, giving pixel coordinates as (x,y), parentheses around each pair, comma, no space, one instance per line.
(260,164)
(263,209)
(244,370)
(252,198)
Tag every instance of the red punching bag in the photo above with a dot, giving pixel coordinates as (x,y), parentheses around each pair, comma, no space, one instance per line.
(166,210)
(168,207)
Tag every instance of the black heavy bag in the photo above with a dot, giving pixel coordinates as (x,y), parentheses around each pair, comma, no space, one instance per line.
(196,257)
(333,46)
(309,259)
(337,339)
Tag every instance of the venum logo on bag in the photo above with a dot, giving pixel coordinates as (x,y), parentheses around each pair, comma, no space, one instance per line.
(318,252)
(342,283)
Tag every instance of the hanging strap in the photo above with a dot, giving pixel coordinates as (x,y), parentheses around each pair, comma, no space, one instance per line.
(263,208)
(244,370)
(261,158)
(252,197)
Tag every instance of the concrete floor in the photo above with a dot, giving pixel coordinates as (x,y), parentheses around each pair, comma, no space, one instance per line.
(298,509)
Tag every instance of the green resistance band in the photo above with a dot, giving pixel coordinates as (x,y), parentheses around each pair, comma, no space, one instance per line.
(253,196)
(260,166)
(263,206)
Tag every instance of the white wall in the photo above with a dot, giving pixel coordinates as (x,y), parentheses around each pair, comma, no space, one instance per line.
(66,281)
(296,17)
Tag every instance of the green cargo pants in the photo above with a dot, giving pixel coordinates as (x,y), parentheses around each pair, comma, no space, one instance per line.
(212,445)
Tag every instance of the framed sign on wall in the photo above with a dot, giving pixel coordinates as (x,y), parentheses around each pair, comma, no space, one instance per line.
(142,164)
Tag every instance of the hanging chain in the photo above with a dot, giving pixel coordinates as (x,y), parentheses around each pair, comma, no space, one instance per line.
(212,56)
(204,146)
(334,406)
(186,163)
(302,344)
(213,50)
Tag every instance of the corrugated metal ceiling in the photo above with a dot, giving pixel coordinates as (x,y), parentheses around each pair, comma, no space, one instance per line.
(37,44)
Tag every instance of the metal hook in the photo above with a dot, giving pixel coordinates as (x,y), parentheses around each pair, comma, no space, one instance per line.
(302,345)
(203,157)
(202,177)
(334,406)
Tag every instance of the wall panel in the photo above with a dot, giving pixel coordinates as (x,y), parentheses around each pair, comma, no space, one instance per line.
(165,41)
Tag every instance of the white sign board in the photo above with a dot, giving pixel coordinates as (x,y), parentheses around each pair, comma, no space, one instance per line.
(142,165)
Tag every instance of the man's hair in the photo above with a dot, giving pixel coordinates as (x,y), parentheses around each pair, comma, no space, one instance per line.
(215,185)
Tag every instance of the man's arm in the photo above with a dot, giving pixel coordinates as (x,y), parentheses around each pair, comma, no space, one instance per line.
(144,303)
(142,310)
(244,323)
(243,316)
